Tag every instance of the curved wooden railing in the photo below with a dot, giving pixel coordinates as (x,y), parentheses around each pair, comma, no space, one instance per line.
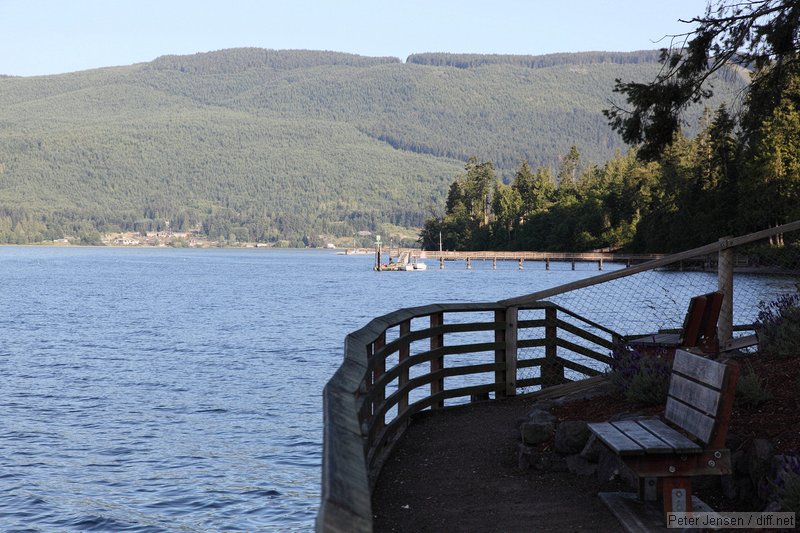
(368,403)
(385,378)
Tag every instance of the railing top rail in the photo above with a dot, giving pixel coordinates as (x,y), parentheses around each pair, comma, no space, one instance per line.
(712,248)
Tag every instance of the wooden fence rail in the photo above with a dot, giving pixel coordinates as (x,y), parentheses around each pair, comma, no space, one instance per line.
(368,403)
(385,377)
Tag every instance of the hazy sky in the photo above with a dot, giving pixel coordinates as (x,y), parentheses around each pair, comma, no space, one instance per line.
(53,36)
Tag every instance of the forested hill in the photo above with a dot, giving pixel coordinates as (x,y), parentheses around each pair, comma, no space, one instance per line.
(254,144)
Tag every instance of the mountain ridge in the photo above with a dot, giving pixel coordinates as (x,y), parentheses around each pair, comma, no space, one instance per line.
(254,144)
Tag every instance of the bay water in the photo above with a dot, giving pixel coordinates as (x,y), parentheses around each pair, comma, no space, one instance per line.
(180,389)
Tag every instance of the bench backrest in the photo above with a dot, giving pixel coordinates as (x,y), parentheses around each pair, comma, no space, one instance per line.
(701,396)
(700,324)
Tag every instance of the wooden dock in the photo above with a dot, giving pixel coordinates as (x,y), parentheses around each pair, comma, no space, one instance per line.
(543,257)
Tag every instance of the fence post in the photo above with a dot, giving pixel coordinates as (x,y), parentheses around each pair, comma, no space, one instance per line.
(725,286)
(405,352)
(380,369)
(506,379)
(552,372)
(437,363)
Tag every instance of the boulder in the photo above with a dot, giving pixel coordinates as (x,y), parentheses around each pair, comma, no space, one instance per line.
(536,432)
(591,451)
(541,416)
(760,459)
(611,467)
(526,456)
(571,437)
(580,465)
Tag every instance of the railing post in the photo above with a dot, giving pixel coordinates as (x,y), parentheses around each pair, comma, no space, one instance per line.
(510,373)
(500,336)
(725,286)
(552,371)
(437,363)
(405,352)
(378,371)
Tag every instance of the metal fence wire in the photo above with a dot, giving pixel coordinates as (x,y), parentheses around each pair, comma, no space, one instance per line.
(656,299)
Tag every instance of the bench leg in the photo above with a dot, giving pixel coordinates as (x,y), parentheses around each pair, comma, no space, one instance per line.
(648,489)
(677,493)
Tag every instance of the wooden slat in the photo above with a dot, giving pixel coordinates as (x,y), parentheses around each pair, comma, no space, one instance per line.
(693,323)
(644,438)
(699,368)
(577,367)
(690,419)
(582,350)
(591,337)
(531,343)
(615,439)
(711,316)
(534,361)
(697,395)
(737,343)
(657,339)
(678,442)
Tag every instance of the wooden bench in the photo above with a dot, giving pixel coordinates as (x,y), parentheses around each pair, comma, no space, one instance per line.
(699,328)
(664,459)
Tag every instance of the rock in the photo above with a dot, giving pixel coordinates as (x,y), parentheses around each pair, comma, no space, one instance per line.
(591,451)
(733,442)
(550,462)
(556,463)
(526,456)
(571,437)
(544,405)
(580,465)
(744,489)
(729,488)
(611,467)
(741,463)
(536,432)
(541,416)
(759,461)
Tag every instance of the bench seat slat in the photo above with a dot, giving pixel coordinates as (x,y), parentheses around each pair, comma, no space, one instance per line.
(644,438)
(615,439)
(680,443)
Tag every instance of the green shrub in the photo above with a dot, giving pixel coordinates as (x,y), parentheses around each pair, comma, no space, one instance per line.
(751,390)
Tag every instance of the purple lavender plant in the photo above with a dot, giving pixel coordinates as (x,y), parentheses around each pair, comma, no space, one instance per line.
(778,325)
(786,485)
(640,378)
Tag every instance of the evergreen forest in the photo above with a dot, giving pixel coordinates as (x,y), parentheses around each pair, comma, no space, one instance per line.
(739,173)
(265,146)
(724,181)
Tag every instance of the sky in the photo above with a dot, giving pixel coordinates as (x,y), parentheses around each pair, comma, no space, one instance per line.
(40,37)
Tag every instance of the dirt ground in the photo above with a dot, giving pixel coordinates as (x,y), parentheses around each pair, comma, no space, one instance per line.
(456,470)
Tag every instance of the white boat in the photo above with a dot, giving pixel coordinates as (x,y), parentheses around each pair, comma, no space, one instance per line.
(420,266)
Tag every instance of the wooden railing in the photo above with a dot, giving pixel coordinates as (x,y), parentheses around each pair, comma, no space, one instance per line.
(398,365)
(385,378)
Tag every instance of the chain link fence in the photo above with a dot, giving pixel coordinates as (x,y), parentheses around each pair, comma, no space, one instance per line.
(653,300)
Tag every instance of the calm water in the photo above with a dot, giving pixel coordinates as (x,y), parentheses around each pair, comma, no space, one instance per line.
(180,390)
